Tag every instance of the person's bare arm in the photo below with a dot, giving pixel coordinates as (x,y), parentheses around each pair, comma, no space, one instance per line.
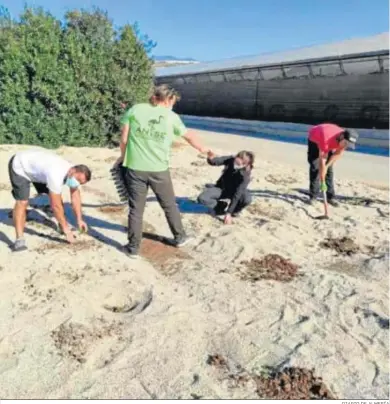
(124,139)
(75,196)
(335,156)
(322,166)
(59,214)
(192,139)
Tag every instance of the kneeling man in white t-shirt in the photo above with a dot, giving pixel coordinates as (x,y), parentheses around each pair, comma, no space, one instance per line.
(48,172)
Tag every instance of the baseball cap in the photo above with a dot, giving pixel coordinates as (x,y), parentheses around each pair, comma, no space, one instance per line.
(351,136)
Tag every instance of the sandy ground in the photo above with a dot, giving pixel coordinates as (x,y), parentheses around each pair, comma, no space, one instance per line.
(85,321)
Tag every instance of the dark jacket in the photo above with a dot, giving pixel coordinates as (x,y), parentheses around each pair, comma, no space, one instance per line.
(232,182)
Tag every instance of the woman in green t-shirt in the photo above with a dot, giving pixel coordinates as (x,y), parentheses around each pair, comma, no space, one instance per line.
(148,131)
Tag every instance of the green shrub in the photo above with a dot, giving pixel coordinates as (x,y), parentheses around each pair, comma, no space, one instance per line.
(62,83)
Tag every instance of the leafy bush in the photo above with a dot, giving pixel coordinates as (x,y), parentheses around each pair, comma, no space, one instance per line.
(63,82)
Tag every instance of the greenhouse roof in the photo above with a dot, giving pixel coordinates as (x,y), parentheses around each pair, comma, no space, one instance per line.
(357,46)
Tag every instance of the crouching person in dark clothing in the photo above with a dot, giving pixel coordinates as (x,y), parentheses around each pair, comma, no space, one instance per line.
(233,185)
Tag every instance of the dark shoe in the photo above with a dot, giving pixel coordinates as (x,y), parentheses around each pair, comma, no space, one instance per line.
(182,241)
(130,252)
(19,245)
(333,203)
(312,200)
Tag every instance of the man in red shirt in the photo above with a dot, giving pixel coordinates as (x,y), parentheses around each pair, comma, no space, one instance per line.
(326,144)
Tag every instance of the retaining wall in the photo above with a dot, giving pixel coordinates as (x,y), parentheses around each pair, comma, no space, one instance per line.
(368,139)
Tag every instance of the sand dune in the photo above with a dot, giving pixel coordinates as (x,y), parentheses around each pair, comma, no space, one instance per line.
(84,321)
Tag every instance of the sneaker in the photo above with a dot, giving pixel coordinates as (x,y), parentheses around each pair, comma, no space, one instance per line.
(19,245)
(131,253)
(182,241)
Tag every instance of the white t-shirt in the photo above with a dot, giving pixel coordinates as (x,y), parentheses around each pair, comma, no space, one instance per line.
(42,166)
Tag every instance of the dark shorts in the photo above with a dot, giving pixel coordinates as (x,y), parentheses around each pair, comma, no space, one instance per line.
(21,185)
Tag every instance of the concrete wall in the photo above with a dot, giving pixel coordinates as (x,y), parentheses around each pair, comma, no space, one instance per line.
(370,141)
(354,94)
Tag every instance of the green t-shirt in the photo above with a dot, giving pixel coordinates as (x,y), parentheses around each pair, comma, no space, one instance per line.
(152,131)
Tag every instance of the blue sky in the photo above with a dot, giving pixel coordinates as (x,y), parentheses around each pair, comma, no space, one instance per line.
(217,29)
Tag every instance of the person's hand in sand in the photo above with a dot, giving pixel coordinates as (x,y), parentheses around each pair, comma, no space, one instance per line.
(228,219)
(70,236)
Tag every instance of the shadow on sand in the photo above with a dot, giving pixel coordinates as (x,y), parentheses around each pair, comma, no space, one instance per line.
(350,200)
(185,205)
(36,216)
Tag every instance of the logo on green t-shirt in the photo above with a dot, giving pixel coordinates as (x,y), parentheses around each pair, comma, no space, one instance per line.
(151,130)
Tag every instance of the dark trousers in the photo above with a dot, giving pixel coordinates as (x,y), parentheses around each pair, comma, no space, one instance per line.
(137,184)
(212,195)
(313,155)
